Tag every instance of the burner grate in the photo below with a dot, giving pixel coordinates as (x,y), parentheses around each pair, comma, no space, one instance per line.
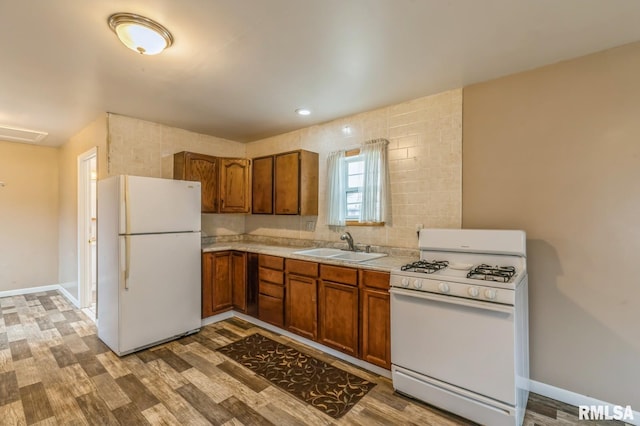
(425,266)
(492,273)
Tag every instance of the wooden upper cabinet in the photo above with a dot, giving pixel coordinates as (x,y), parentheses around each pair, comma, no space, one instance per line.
(296,183)
(235,181)
(262,186)
(226,182)
(201,168)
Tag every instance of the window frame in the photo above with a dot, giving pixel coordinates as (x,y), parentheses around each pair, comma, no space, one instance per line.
(351,222)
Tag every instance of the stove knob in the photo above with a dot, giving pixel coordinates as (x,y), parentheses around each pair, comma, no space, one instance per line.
(405,282)
(474,292)
(417,283)
(490,294)
(443,287)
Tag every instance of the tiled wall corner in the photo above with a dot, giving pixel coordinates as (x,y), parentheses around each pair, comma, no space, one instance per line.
(142,148)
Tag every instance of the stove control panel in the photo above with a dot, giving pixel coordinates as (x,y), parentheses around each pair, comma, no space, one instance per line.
(452,288)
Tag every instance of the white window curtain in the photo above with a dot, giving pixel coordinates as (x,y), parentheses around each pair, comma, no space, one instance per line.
(336,189)
(375,195)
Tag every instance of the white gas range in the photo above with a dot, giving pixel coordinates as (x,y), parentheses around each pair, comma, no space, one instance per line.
(459,324)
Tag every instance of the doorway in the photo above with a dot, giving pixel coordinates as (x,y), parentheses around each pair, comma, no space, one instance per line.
(87,227)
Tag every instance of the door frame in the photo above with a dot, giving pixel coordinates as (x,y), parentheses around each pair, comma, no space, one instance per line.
(84,223)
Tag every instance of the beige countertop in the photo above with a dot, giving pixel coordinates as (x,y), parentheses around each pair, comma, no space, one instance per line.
(386,263)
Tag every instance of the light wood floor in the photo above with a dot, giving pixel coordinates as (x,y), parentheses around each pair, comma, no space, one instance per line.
(54,370)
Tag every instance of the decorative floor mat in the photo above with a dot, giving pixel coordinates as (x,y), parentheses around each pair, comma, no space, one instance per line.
(325,387)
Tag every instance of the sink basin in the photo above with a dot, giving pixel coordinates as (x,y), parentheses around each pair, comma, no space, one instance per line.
(320,252)
(357,256)
(337,254)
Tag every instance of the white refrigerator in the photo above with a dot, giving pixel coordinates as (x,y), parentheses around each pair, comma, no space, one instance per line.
(149,287)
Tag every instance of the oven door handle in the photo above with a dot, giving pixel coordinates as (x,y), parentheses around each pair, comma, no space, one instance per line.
(507,309)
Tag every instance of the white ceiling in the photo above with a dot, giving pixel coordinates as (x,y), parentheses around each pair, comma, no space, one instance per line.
(239,68)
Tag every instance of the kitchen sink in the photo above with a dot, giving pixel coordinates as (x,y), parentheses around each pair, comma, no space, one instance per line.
(337,254)
(320,252)
(357,256)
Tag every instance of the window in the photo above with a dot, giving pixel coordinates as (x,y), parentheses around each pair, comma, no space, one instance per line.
(355,181)
(357,190)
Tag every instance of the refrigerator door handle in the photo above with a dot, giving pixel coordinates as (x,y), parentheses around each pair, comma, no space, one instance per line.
(127,214)
(125,249)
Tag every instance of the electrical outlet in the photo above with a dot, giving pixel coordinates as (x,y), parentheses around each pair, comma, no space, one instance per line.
(310,225)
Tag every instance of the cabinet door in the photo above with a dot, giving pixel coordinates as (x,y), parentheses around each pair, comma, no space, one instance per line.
(239,280)
(201,168)
(375,327)
(338,317)
(262,186)
(300,307)
(252,285)
(221,288)
(271,309)
(287,183)
(235,180)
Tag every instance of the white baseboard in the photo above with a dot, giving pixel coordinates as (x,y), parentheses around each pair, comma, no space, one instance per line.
(41,289)
(68,295)
(573,398)
(360,363)
(29,290)
(217,318)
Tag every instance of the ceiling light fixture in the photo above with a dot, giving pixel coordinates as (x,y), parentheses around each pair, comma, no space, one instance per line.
(140,34)
(303,111)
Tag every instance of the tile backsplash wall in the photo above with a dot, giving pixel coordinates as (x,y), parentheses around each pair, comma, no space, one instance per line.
(142,148)
(425,163)
(425,154)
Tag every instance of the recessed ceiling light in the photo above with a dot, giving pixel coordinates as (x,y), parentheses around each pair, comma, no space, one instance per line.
(140,34)
(303,111)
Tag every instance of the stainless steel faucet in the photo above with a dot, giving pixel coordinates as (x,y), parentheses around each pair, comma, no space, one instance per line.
(347,236)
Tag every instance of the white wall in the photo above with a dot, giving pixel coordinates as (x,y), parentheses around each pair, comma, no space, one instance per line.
(28,216)
(93,135)
(556,151)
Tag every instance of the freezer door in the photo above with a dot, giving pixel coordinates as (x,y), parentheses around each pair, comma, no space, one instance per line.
(154,205)
(160,288)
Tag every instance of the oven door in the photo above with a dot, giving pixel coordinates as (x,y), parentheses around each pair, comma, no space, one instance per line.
(462,342)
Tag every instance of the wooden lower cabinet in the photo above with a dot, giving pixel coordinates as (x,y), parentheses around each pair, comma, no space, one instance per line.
(271,309)
(344,308)
(338,316)
(301,306)
(216,283)
(375,327)
(239,280)
(223,282)
(271,289)
(375,318)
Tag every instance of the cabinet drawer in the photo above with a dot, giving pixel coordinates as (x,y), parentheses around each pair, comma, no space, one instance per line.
(301,267)
(374,279)
(339,274)
(276,277)
(273,262)
(271,289)
(271,310)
